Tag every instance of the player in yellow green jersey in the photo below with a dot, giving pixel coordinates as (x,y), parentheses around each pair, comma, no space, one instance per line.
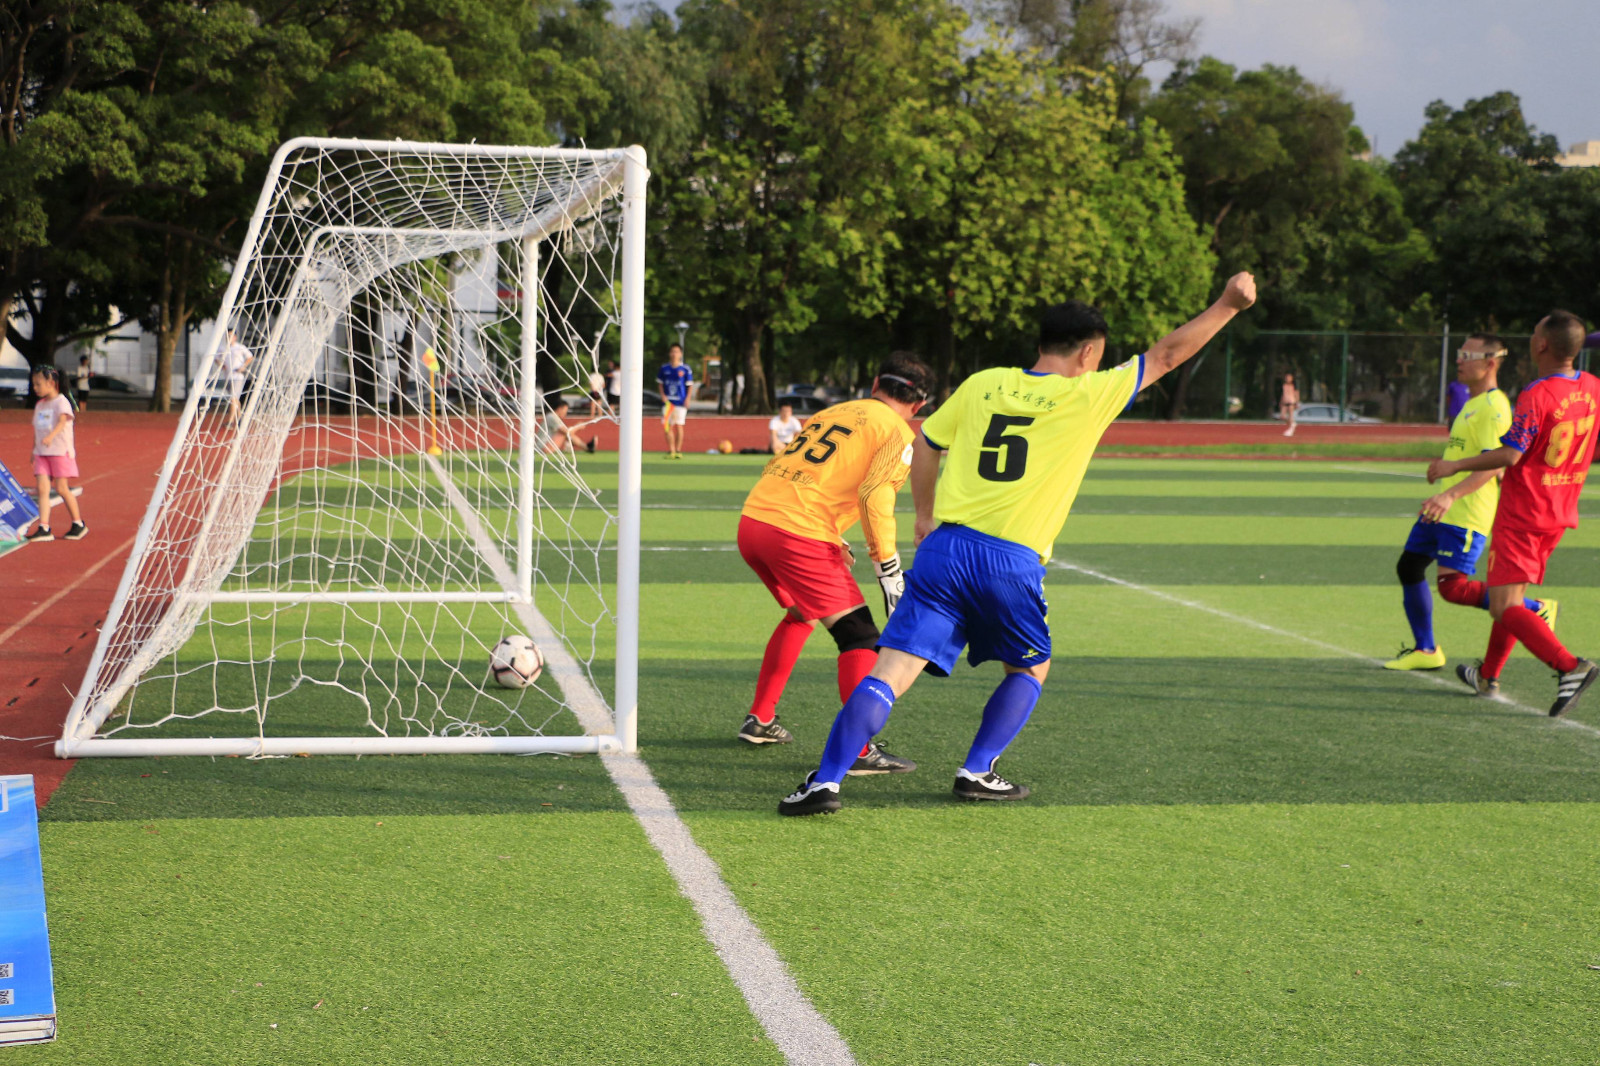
(1018,443)
(1453,525)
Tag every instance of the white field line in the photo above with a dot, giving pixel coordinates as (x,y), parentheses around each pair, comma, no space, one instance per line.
(791,1021)
(1379,470)
(63,593)
(1244,620)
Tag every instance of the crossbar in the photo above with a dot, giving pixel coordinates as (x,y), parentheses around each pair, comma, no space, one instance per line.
(144,747)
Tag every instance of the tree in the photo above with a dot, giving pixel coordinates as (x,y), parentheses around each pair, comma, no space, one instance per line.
(1511,231)
(1120,36)
(1027,191)
(801,99)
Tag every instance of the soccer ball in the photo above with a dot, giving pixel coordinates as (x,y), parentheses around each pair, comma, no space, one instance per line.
(516,662)
(725,447)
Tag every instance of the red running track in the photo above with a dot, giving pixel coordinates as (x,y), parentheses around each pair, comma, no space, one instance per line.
(56,595)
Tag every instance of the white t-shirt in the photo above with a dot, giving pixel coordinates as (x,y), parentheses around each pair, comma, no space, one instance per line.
(234,360)
(46,414)
(785,430)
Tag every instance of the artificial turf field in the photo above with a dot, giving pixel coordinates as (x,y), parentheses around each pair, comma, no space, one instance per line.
(1245,843)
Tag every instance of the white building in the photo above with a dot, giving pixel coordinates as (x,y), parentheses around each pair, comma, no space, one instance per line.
(1583,154)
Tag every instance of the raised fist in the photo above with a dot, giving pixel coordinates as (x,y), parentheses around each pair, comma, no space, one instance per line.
(1241,291)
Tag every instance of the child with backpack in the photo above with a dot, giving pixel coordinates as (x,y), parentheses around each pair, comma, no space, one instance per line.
(55,456)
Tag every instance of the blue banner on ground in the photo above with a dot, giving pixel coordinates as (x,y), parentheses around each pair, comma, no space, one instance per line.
(17,507)
(27,993)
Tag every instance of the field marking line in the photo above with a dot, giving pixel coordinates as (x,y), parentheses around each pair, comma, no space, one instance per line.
(60,594)
(791,1021)
(1378,470)
(1252,623)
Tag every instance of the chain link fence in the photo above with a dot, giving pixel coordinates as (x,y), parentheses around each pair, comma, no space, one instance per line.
(1388,377)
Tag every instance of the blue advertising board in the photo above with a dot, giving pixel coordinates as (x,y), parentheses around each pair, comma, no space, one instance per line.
(27,993)
(18,510)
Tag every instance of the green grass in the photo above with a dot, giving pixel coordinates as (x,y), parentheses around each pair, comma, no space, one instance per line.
(1299,449)
(1245,844)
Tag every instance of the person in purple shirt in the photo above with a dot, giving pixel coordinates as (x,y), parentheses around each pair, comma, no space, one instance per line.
(1455,398)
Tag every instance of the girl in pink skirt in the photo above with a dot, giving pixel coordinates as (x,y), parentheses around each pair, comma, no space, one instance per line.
(55,457)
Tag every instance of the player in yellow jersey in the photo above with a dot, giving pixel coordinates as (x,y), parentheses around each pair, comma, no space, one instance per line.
(1453,526)
(845,466)
(1018,443)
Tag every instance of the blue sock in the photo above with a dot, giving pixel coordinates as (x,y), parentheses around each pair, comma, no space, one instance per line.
(863,717)
(1003,718)
(1419,612)
(1530,604)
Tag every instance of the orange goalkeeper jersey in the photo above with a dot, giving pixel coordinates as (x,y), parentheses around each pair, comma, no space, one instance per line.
(847,464)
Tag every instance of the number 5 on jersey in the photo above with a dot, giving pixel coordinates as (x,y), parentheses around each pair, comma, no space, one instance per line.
(1003,457)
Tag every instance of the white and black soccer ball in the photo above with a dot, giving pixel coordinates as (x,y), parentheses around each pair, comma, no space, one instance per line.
(516,662)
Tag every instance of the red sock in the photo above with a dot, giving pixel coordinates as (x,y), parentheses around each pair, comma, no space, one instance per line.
(1461,589)
(854,666)
(776,666)
(1501,643)
(1536,636)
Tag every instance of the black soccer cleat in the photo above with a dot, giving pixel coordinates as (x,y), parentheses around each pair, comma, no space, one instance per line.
(989,786)
(812,797)
(1472,677)
(40,533)
(878,761)
(77,531)
(755,731)
(1571,685)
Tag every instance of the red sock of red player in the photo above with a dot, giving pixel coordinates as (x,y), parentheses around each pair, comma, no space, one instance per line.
(1537,638)
(854,666)
(1501,644)
(1462,590)
(783,649)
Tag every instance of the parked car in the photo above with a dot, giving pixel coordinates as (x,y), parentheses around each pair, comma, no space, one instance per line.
(105,385)
(14,383)
(804,403)
(1326,412)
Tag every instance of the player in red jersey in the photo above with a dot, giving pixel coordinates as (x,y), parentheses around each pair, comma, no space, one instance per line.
(1546,456)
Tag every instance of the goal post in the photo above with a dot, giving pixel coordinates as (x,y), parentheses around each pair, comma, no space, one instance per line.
(369,488)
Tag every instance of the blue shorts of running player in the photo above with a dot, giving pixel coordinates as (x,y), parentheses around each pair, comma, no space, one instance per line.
(966,589)
(1454,546)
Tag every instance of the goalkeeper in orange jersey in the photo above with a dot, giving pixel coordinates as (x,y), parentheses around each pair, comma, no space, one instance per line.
(845,465)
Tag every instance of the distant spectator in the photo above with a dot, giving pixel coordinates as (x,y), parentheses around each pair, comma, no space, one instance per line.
(55,455)
(613,385)
(235,358)
(782,429)
(1455,398)
(80,380)
(1288,403)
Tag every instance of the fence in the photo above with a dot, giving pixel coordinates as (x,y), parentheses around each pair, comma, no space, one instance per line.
(1393,377)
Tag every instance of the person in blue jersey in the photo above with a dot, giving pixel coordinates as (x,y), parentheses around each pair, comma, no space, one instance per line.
(676,382)
(1014,445)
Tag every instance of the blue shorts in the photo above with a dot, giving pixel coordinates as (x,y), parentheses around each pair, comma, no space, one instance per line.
(968,589)
(1454,546)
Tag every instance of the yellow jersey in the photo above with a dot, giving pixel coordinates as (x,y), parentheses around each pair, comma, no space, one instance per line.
(1019,442)
(1483,420)
(845,465)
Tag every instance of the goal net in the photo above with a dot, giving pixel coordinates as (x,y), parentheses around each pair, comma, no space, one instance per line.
(371,486)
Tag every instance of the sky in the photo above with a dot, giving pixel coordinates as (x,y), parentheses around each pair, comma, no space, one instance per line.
(1389,58)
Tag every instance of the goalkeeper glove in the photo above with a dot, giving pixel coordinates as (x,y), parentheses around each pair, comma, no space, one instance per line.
(893,582)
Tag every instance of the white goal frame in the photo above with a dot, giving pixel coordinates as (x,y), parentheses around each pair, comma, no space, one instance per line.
(612,728)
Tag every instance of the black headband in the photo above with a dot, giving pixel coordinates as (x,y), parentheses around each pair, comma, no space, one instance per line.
(907,382)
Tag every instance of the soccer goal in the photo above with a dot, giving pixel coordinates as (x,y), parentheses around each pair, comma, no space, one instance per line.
(368,489)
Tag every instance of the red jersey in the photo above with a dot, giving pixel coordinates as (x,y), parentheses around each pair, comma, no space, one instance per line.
(1554,429)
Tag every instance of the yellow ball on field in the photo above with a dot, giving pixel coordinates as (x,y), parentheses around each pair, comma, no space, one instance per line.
(725,447)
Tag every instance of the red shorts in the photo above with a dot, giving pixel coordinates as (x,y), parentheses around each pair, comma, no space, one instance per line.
(812,576)
(1517,556)
(55,465)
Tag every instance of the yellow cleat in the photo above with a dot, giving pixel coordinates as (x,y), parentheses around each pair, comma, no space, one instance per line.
(1548,609)
(1412,659)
